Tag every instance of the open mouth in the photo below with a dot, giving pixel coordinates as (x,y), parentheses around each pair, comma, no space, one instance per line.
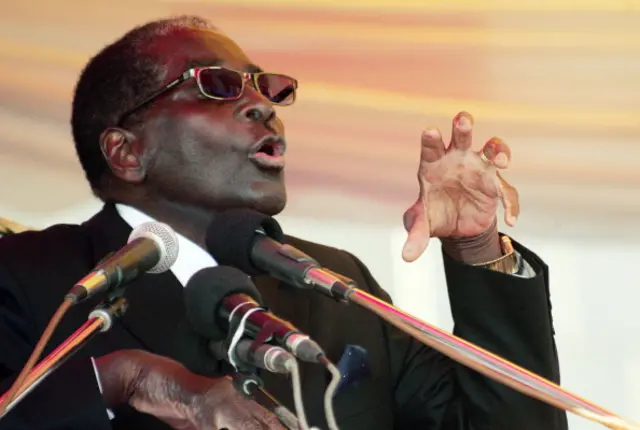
(268,152)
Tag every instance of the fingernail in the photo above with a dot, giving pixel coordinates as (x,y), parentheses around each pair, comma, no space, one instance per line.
(464,123)
(501,159)
(432,133)
(409,250)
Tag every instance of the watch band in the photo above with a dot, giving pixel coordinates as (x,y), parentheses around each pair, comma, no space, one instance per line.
(508,263)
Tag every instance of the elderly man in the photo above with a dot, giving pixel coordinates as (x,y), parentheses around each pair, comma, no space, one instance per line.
(174,122)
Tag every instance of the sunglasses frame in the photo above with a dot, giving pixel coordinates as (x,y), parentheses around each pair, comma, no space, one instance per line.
(195,73)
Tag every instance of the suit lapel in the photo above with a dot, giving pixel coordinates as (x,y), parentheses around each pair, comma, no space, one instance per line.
(155,301)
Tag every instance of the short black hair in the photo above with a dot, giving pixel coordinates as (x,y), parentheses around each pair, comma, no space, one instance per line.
(116,79)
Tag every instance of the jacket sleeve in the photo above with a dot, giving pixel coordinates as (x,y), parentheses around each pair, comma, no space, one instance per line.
(505,314)
(69,398)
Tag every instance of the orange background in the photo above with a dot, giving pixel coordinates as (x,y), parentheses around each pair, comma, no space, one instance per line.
(559,81)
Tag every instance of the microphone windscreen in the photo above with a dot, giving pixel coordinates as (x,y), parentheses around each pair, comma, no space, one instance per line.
(204,293)
(192,350)
(232,233)
(165,239)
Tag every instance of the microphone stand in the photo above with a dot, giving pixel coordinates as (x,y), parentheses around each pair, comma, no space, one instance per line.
(468,354)
(100,320)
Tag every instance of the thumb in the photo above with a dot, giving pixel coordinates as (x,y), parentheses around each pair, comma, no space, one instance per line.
(417,225)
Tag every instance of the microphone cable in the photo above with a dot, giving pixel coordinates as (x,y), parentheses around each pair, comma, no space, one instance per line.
(7,228)
(37,352)
(296,383)
(16,387)
(328,396)
(165,239)
(330,392)
(292,366)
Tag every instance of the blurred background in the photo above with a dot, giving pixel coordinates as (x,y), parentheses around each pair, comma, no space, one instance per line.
(558,80)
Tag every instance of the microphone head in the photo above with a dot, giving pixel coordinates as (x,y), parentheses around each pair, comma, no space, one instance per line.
(166,240)
(231,235)
(203,296)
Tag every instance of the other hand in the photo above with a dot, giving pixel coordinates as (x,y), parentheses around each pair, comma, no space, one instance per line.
(161,387)
(459,188)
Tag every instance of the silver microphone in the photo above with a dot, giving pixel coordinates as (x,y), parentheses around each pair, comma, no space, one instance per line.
(152,248)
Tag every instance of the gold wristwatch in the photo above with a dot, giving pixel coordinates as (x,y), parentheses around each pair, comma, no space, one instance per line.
(508,263)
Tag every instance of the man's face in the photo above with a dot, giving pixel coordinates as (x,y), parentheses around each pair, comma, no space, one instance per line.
(207,152)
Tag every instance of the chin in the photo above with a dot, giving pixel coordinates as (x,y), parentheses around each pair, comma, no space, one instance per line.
(267,197)
(270,204)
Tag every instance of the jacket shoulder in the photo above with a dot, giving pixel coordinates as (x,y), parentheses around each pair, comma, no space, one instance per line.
(337,260)
(312,247)
(36,251)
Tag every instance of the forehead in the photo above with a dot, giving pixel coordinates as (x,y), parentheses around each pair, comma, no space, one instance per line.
(186,49)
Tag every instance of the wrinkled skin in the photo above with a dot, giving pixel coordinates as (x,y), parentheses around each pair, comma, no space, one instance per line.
(163,388)
(460,188)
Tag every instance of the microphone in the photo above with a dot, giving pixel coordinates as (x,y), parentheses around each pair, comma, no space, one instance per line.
(201,356)
(215,297)
(152,248)
(250,241)
(267,357)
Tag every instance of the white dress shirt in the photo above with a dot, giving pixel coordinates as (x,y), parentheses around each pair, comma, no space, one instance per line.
(191,258)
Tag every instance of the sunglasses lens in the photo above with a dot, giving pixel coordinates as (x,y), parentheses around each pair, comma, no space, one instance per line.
(279,89)
(221,83)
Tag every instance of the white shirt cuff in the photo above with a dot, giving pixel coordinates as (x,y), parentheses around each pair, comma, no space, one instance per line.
(95,369)
(524,268)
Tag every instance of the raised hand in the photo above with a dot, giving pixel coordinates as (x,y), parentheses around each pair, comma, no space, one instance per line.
(459,188)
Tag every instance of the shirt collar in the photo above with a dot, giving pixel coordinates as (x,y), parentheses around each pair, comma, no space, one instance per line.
(191,258)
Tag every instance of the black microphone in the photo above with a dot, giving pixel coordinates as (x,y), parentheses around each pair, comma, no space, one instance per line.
(216,297)
(152,248)
(250,241)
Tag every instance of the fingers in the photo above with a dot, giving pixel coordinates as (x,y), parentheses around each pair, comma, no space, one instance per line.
(432,148)
(461,131)
(241,413)
(270,421)
(417,225)
(496,153)
(510,201)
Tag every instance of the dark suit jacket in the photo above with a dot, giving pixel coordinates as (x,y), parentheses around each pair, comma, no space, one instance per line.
(411,386)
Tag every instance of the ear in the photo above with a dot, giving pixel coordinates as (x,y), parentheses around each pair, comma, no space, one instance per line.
(123,153)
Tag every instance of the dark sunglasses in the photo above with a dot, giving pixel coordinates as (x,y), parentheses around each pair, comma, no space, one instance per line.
(220,83)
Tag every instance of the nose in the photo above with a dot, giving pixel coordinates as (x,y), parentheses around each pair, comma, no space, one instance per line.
(257,107)
(260,113)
